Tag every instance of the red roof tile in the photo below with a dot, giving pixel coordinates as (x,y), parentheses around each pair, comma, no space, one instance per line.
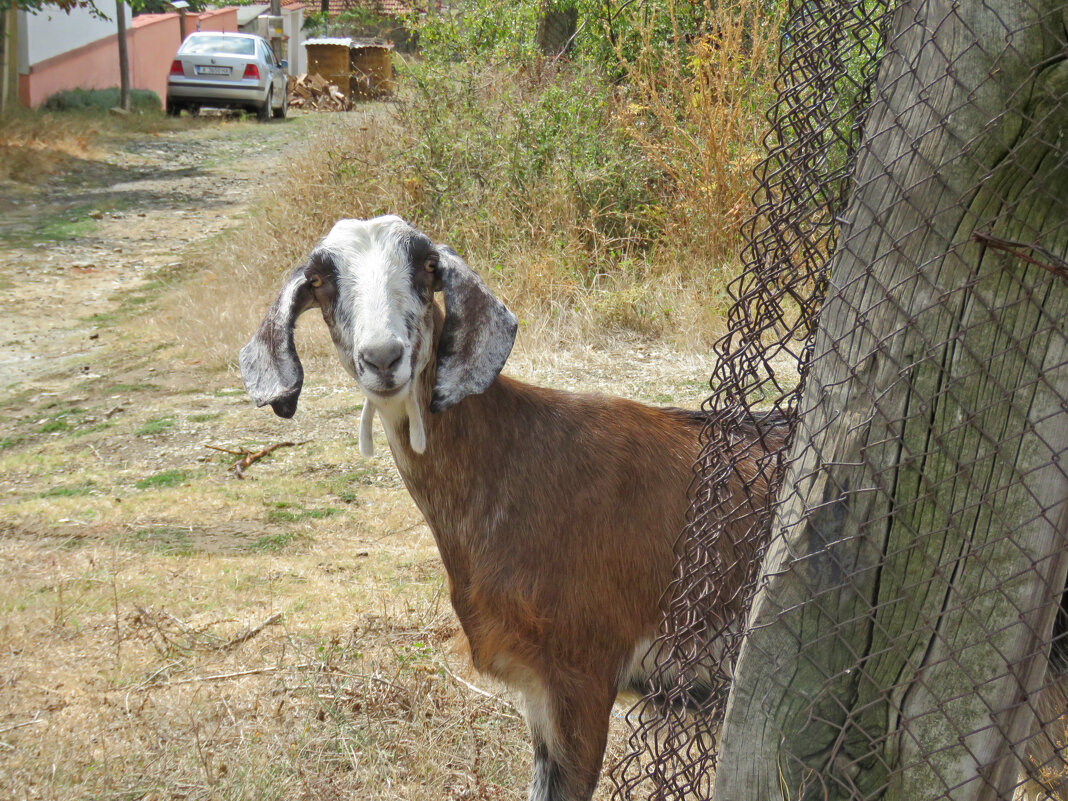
(388,8)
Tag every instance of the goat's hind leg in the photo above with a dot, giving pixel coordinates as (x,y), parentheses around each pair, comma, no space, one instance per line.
(570,732)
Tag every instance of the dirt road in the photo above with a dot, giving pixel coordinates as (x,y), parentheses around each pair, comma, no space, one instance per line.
(70,249)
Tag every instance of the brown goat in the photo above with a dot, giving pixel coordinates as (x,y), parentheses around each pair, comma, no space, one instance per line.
(556,514)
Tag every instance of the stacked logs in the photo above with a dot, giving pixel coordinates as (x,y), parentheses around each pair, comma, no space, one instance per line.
(315,93)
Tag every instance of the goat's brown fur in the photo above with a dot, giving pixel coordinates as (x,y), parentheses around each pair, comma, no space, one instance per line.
(556,515)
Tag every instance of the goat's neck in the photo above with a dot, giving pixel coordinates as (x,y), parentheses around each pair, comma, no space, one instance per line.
(456,479)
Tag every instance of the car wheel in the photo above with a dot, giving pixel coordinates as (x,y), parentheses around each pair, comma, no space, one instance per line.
(173,108)
(193,110)
(263,113)
(280,113)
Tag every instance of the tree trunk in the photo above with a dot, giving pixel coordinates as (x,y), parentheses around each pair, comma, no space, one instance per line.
(124,57)
(9,58)
(276,40)
(557,24)
(919,554)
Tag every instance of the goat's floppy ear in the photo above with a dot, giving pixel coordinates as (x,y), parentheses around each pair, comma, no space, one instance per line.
(477,335)
(269,364)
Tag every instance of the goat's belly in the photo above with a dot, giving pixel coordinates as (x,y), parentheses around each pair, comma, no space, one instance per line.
(642,678)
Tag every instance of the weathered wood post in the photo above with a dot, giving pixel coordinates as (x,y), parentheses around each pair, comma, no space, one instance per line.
(920,548)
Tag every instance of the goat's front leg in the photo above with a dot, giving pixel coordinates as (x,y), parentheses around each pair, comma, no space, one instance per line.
(570,730)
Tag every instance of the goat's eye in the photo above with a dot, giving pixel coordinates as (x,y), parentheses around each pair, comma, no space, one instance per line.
(431,264)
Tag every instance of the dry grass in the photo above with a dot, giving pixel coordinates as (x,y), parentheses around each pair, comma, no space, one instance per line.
(134,567)
(121,665)
(35,145)
(132,603)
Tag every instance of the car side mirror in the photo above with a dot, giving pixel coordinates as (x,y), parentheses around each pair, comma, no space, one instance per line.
(283,64)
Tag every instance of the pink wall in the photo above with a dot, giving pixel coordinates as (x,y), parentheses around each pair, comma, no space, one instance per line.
(152,49)
(153,40)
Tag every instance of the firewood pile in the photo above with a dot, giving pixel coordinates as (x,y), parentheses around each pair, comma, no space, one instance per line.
(315,93)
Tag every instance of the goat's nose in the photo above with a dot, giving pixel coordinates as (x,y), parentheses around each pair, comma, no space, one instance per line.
(382,356)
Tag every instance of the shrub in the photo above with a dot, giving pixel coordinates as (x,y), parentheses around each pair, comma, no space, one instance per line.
(699,117)
(101,100)
(616,178)
(359,22)
(479,30)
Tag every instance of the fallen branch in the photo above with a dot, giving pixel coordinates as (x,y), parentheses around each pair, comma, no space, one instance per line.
(198,639)
(491,696)
(248,634)
(224,676)
(36,720)
(249,457)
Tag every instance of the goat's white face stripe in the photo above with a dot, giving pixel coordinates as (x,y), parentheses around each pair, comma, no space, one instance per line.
(376,303)
(379,309)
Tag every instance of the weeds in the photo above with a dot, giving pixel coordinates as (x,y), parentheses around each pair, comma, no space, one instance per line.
(68,491)
(277,542)
(164,480)
(63,420)
(699,118)
(67,224)
(288,513)
(170,540)
(600,197)
(157,425)
(101,100)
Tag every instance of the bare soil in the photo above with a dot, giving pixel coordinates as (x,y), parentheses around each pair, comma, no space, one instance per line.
(168,630)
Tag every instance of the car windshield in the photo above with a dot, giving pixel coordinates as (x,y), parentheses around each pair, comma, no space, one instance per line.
(226,45)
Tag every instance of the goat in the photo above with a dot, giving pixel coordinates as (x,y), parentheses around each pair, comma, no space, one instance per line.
(556,514)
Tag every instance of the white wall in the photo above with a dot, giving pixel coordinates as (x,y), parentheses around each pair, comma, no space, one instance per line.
(50,31)
(292,22)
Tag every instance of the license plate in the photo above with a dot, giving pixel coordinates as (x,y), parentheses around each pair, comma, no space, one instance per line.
(213,70)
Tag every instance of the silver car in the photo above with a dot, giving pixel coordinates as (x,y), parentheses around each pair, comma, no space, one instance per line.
(228,70)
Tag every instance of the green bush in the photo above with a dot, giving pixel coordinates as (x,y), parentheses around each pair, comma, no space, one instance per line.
(479,30)
(504,154)
(608,36)
(101,100)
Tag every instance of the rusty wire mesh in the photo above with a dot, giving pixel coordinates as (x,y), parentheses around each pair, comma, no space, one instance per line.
(876,590)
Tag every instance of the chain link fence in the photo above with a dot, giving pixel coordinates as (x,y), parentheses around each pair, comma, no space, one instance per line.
(881,623)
